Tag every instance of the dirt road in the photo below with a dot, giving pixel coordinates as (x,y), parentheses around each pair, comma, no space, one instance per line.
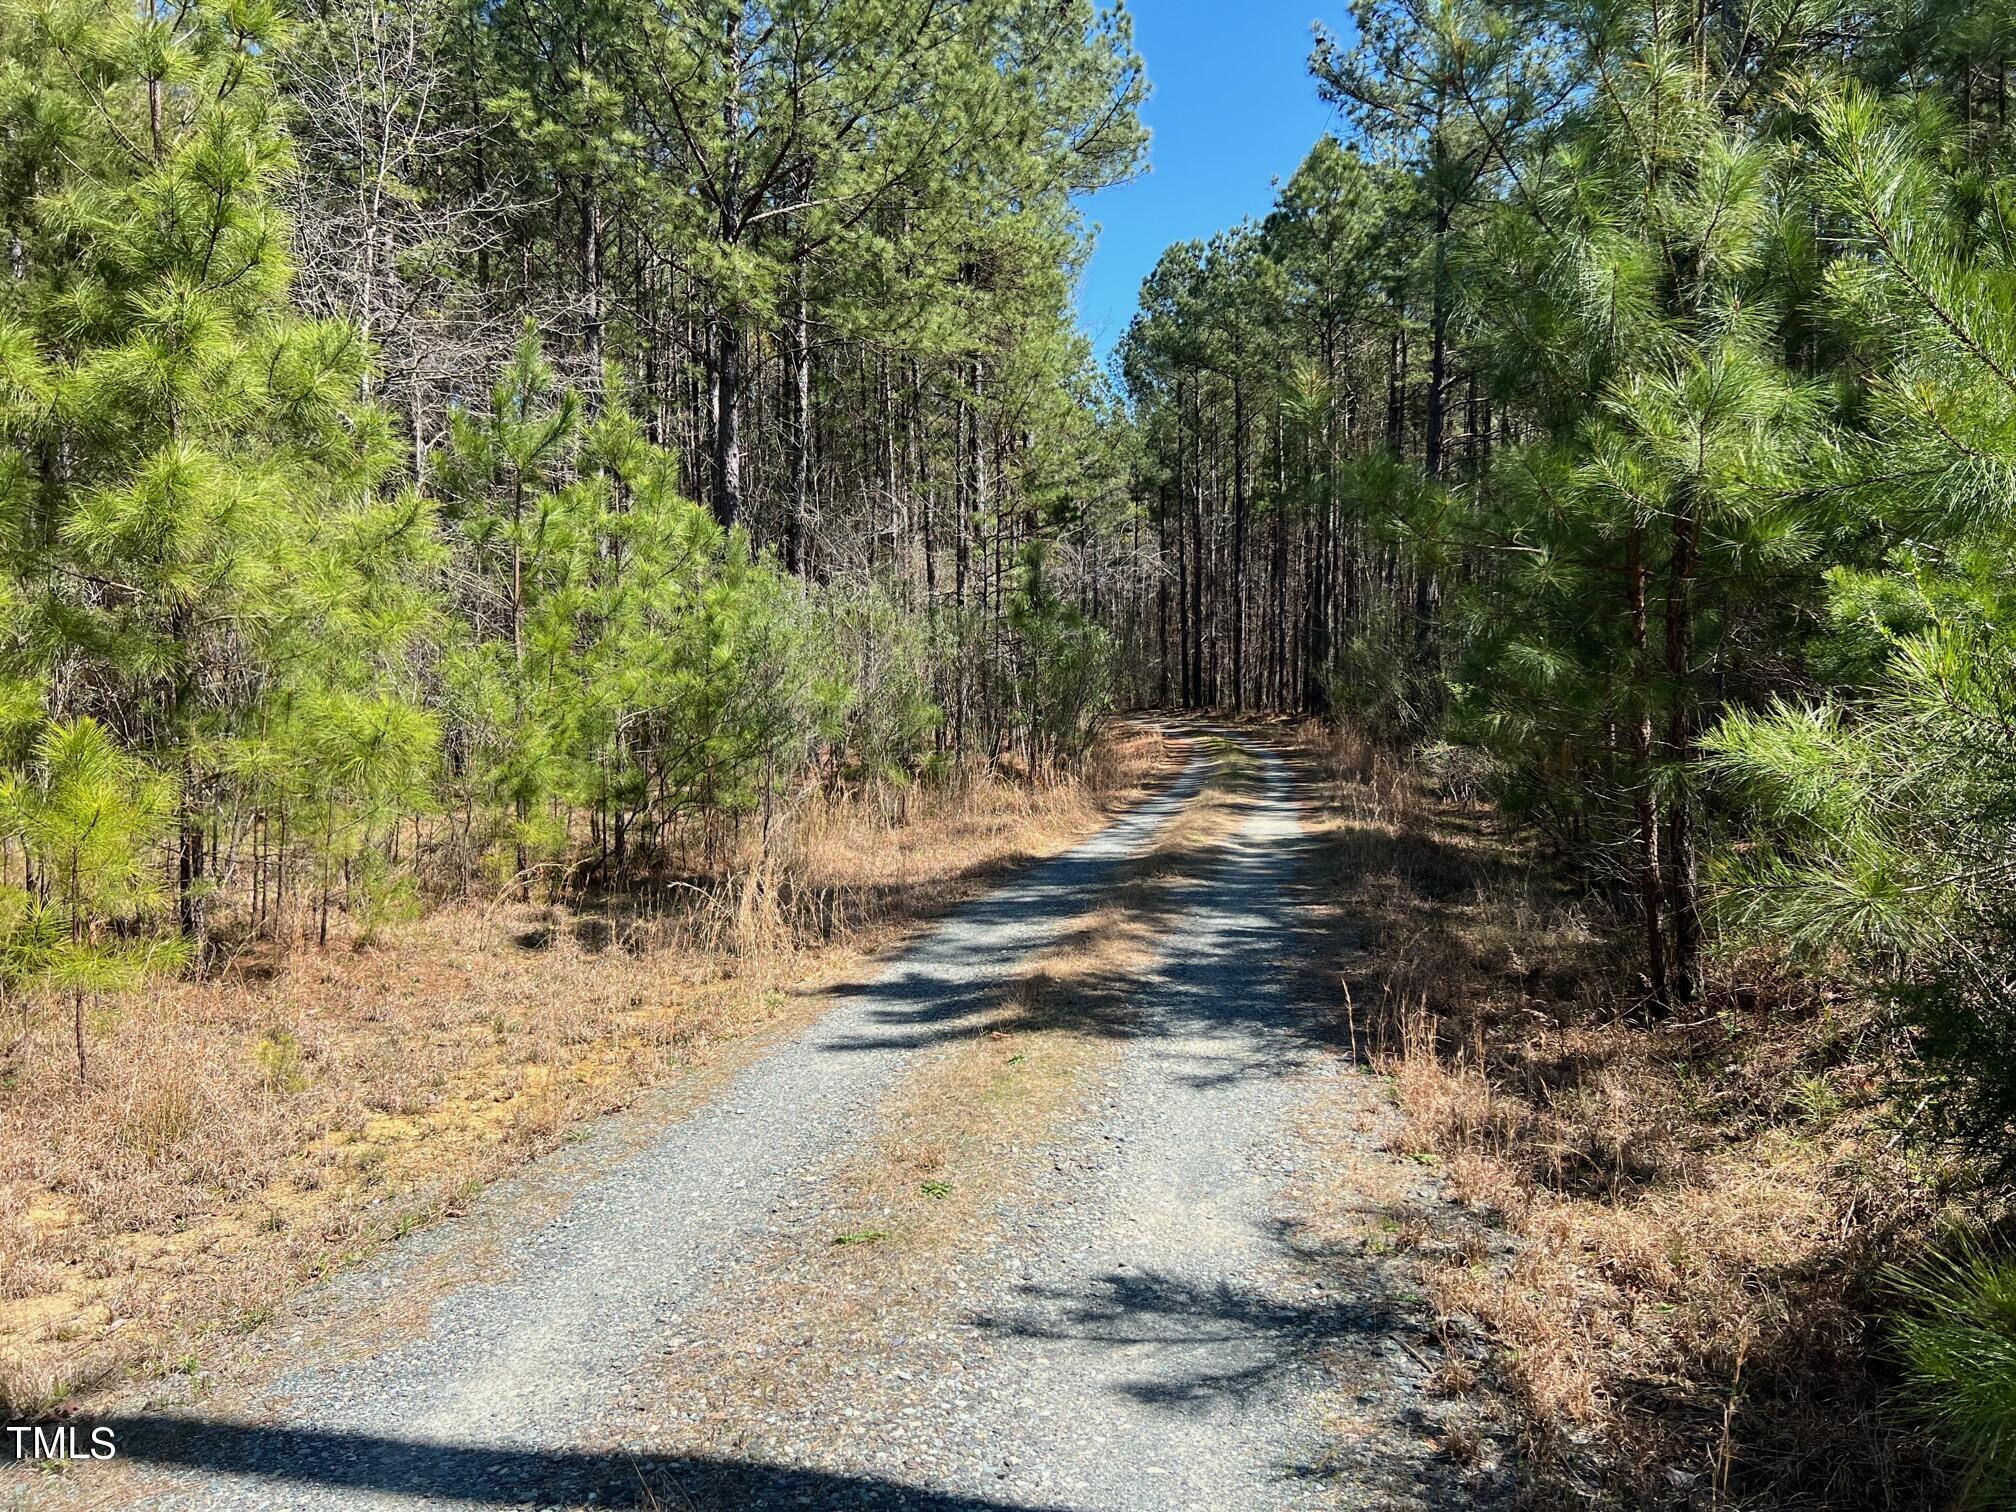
(1159,1328)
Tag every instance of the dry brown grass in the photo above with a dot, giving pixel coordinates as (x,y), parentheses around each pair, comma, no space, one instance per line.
(1686,1315)
(242,1135)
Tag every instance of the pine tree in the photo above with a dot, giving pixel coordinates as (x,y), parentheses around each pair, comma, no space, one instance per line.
(619,652)
(1669,486)
(1877,812)
(87,817)
(196,445)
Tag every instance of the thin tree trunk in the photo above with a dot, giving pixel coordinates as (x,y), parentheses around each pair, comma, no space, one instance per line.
(1645,800)
(728,423)
(1239,507)
(1682,863)
(801,432)
(1162,601)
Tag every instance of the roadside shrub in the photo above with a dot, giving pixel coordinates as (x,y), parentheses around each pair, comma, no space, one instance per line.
(1368,687)
(1880,840)
(1958,1337)
(882,655)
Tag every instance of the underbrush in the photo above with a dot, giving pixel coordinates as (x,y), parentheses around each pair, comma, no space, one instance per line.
(240,1134)
(1693,1312)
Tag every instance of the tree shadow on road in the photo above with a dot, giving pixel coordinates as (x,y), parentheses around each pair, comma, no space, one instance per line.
(1234,992)
(363,1464)
(1226,1347)
(1206,1344)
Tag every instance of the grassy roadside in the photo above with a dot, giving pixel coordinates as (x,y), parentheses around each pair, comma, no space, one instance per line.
(870,1275)
(240,1137)
(1684,1313)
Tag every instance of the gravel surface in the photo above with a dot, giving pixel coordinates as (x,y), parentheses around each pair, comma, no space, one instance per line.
(492,1403)
(1160,1322)
(1164,1346)
(1155,1322)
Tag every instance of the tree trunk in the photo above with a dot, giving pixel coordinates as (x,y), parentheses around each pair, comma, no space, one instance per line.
(801,433)
(1239,505)
(1645,800)
(728,423)
(591,250)
(1197,560)
(1682,863)
(1162,601)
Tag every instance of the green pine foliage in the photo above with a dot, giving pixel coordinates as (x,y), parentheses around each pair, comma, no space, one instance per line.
(517,450)
(199,520)
(87,818)
(1958,1336)
(615,651)
(1876,811)
(1060,677)
(385,607)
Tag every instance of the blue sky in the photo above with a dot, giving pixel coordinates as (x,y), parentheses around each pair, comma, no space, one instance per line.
(1234,109)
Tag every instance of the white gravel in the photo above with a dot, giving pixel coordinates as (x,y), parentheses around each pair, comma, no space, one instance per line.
(1168,1343)
(1161,1323)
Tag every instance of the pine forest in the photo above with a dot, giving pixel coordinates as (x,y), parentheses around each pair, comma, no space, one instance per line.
(539,536)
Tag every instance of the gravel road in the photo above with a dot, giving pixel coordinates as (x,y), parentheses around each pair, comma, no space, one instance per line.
(1161,1350)
(1161,1322)
(1156,1340)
